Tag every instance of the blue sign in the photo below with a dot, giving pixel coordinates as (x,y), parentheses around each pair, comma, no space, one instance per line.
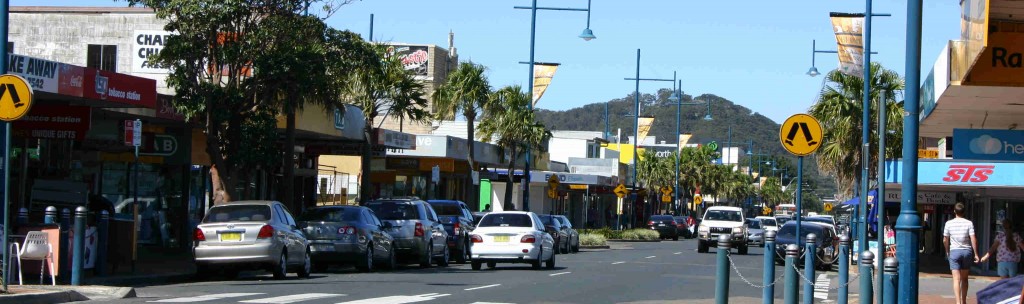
(958,173)
(339,118)
(982,144)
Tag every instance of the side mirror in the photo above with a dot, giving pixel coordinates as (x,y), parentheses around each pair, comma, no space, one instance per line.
(387,225)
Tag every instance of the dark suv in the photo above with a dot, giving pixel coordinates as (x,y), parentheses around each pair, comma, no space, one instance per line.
(458,222)
(416,230)
(665,225)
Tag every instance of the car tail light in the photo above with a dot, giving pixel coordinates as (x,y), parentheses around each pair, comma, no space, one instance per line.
(198,235)
(265,232)
(651,223)
(419,229)
(347,230)
(674,223)
(476,238)
(457,226)
(529,238)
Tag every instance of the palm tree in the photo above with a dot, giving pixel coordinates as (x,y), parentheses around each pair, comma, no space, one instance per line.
(466,91)
(839,109)
(655,172)
(694,164)
(508,122)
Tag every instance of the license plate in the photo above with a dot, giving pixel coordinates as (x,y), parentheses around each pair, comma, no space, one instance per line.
(231,236)
(324,247)
(661,225)
(501,238)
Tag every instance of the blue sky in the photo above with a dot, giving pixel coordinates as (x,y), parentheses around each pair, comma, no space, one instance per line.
(752,52)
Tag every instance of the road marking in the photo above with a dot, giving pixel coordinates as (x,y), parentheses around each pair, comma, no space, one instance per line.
(482,287)
(821,285)
(398,299)
(490,303)
(560,273)
(209,297)
(293,298)
(616,263)
(678,253)
(650,257)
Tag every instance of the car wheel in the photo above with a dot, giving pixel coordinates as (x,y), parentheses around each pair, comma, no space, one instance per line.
(366,263)
(702,247)
(491,265)
(540,254)
(576,248)
(445,257)
(743,249)
(307,266)
(282,267)
(461,256)
(476,265)
(426,255)
(203,272)
(392,262)
(675,238)
(565,249)
(550,264)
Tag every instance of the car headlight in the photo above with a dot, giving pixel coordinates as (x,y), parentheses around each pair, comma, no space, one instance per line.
(737,230)
(703,229)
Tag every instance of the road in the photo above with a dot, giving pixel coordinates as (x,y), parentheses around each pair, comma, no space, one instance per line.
(668,271)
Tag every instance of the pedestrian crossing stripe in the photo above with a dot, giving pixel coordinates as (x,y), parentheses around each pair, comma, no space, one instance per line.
(209,297)
(293,298)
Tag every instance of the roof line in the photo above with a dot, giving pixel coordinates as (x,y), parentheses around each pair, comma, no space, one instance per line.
(81,9)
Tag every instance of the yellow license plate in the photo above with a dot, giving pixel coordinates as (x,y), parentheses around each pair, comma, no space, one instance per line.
(501,238)
(231,236)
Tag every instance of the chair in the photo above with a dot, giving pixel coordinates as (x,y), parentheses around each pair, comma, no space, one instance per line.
(36,248)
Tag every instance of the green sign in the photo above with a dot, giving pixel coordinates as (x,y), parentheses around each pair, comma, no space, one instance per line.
(713,145)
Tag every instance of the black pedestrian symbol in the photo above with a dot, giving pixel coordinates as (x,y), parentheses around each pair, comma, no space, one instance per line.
(9,88)
(806,132)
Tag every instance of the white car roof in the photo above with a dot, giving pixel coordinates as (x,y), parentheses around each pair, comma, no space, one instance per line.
(510,212)
(725,208)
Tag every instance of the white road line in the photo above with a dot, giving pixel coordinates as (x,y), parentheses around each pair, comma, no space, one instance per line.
(293,298)
(678,253)
(821,285)
(560,273)
(650,257)
(398,299)
(482,287)
(490,303)
(209,297)
(616,263)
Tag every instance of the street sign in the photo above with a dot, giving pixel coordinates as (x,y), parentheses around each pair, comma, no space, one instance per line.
(766,210)
(697,199)
(15,97)
(137,133)
(666,190)
(621,191)
(828,207)
(553,181)
(129,132)
(552,193)
(713,145)
(435,174)
(800,134)
(618,208)
(666,198)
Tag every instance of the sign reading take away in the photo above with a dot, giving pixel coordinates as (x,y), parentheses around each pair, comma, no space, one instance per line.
(15,97)
(621,191)
(800,134)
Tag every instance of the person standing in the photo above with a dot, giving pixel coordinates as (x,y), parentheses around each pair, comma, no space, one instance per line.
(960,242)
(1007,247)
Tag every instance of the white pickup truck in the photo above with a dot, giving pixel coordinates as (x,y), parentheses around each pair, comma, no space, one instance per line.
(722,221)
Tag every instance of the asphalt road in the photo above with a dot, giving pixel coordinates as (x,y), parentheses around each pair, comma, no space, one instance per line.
(630,272)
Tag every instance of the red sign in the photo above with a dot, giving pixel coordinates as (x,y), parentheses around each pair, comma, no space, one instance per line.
(120,88)
(129,132)
(165,109)
(969,173)
(71,80)
(54,122)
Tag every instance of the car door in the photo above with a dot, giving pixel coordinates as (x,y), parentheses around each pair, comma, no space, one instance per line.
(547,244)
(467,220)
(296,241)
(380,243)
(437,235)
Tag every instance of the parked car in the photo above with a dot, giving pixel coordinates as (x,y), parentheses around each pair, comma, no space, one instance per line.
(347,235)
(829,222)
(574,236)
(477,216)
(825,254)
(416,229)
(512,237)
(682,226)
(782,219)
(721,220)
(250,235)
(665,225)
(554,227)
(458,222)
(768,223)
(755,232)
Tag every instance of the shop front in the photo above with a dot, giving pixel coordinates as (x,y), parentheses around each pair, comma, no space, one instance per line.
(437,167)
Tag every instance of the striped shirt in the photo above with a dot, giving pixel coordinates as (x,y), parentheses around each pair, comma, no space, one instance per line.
(959,231)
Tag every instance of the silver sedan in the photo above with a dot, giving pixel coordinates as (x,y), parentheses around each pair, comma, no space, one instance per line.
(250,235)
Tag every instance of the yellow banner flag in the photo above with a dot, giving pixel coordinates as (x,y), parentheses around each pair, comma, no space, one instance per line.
(643,128)
(849,30)
(683,139)
(542,74)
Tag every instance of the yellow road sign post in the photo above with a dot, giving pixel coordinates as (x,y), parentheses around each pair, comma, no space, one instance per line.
(698,199)
(621,191)
(15,102)
(665,198)
(828,207)
(801,135)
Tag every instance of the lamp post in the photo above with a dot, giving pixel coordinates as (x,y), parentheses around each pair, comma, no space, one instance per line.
(677,98)
(587,35)
(908,225)
(636,110)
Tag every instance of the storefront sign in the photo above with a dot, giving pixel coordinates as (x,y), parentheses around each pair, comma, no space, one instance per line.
(120,88)
(54,122)
(339,118)
(414,58)
(961,173)
(571,178)
(165,109)
(394,139)
(1002,61)
(147,43)
(395,163)
(158,144)
(983,144)
(41,74)
(925,153)
(924,197)
(446,164)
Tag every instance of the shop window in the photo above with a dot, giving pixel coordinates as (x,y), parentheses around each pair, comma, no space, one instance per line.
(103,57)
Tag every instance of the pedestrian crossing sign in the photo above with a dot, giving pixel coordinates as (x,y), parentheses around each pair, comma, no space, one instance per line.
(800,134)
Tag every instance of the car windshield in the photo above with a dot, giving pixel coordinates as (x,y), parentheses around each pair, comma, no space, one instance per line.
(768,222)
(394,210)
(446,209)
(781,220)
(238,213)
(722,215)
(563,220)
(330,215)
(754,224)
(506,220)
(787,231)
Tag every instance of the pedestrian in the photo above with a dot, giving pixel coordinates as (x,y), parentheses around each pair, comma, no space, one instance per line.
(1007,247)
(960,242)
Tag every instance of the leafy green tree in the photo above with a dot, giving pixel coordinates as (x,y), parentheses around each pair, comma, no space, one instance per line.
(655,172)
(466,92)
(839,109)
(509,123)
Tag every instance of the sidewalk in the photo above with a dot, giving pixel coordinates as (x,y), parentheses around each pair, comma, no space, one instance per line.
(152,268)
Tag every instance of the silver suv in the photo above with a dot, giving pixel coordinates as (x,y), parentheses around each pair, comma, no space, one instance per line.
(415,228)
(723,221)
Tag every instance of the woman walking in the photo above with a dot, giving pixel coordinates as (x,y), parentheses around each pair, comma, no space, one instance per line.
(1007,247)
(958,238)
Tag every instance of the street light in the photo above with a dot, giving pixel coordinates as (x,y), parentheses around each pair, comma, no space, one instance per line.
(587,36)
(814,51)
(677,98)
(636,111)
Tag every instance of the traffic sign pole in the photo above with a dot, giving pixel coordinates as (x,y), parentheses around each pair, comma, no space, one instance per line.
(136,141)
(795,128)
(799,187)
(15,92)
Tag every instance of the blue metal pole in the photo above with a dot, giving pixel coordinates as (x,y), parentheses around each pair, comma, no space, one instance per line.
(607,131)
(679,105)
(50,215)
(103,237)
(371,31)
(77,257)
(844,269)
(867,265)
(865,130)
(889,281)
(908,225)
(880,231)
(4,13)
(65,248)
(790,292)
(722,278)
(809,255)
(799,200)
(768,293)
(636,116)
(529,90)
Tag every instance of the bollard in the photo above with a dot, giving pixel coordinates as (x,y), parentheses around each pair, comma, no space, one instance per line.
(790,292)
(77,257)
(102,235)
(65,248)
(722,280)
(22,217)
(867,264)
(50,215)
(844,269)
(768,294)
(891,266)
(810,253)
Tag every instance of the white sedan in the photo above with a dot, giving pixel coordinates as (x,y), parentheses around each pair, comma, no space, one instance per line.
(512,237)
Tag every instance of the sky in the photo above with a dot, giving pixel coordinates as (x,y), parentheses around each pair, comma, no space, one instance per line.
(752,52)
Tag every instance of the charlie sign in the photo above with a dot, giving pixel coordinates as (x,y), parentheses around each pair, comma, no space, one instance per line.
(146,43)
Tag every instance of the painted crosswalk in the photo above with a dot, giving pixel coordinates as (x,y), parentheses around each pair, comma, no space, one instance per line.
(821,287)
(262,298)
(293,298)
(206,298)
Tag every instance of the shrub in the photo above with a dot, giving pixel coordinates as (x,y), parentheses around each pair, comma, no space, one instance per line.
(640,235)
(592,239)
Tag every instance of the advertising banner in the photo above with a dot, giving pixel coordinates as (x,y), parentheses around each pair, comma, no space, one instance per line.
(850,42)
(999,64)
(54,122)
(977,174)
(145,44)
(542,74)
(415,58)
(41,74)
(683,140)
(985,144)
(643,128)
(120,88)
